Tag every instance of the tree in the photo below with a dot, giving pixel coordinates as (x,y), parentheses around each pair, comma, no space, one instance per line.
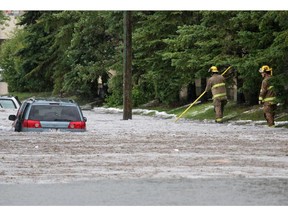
(91,53)
(68,50)
(153,72)
(38,53)
(244,39)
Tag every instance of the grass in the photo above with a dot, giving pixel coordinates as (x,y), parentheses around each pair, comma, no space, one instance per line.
(205,111)
(232,112)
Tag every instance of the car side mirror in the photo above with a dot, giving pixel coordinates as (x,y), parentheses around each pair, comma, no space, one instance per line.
(12,117)
(85,119)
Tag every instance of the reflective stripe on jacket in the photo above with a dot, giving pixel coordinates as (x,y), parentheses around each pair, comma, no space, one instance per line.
(216,83)
(267,94)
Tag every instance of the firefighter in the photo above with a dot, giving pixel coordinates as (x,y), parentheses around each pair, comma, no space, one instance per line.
(267,95)
(216,83)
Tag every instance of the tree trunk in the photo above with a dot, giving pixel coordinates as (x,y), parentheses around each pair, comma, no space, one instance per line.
(191,92)
(127,75)
(203,86)
(240,94)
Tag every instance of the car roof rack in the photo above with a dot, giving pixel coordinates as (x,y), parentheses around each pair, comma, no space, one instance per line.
(55,99)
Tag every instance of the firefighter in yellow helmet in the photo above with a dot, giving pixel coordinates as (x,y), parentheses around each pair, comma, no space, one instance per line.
(267,95)
(216,83)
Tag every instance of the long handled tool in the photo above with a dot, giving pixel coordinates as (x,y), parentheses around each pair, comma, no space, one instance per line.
(198,98)
(190,106)
(226,70)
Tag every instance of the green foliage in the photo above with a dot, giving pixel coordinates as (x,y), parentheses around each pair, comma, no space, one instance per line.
(150,57)
(245,39)
(143,90)
(90,54)
(3,18)
(115,89)
(67,51)
(38,53)
(11,63)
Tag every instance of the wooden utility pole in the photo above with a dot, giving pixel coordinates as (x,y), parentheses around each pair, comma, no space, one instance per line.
(127,74)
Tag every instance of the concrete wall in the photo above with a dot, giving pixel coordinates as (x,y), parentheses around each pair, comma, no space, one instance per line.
(7,29)
(3,88)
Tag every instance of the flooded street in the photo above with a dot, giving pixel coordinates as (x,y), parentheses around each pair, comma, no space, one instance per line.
(119,162)
(150,192)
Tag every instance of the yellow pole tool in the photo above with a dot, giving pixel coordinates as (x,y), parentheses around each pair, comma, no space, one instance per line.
(226,70)
(198,98)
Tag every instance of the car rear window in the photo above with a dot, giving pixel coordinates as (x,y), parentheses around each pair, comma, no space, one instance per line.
(54,113)
(7,104)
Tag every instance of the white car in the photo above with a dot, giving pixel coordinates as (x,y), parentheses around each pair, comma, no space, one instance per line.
(9,102)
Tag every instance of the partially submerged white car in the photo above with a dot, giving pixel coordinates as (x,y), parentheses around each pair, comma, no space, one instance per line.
(9,102)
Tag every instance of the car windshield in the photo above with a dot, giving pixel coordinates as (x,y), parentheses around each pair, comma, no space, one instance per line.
(7,104)
(54,113)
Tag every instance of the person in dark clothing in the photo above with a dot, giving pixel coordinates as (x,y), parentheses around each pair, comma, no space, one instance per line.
(216,83)
(267,95)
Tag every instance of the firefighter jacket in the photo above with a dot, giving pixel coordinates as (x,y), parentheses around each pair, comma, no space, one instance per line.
(267,94)
(216,83)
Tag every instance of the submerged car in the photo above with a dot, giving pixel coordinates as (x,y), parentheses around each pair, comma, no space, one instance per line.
(9,102)
(37,115)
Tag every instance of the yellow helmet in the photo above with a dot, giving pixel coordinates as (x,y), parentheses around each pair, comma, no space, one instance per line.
(265,68)
(213,69)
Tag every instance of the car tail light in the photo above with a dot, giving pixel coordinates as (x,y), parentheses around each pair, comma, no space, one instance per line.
(31,124)
(77,125)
